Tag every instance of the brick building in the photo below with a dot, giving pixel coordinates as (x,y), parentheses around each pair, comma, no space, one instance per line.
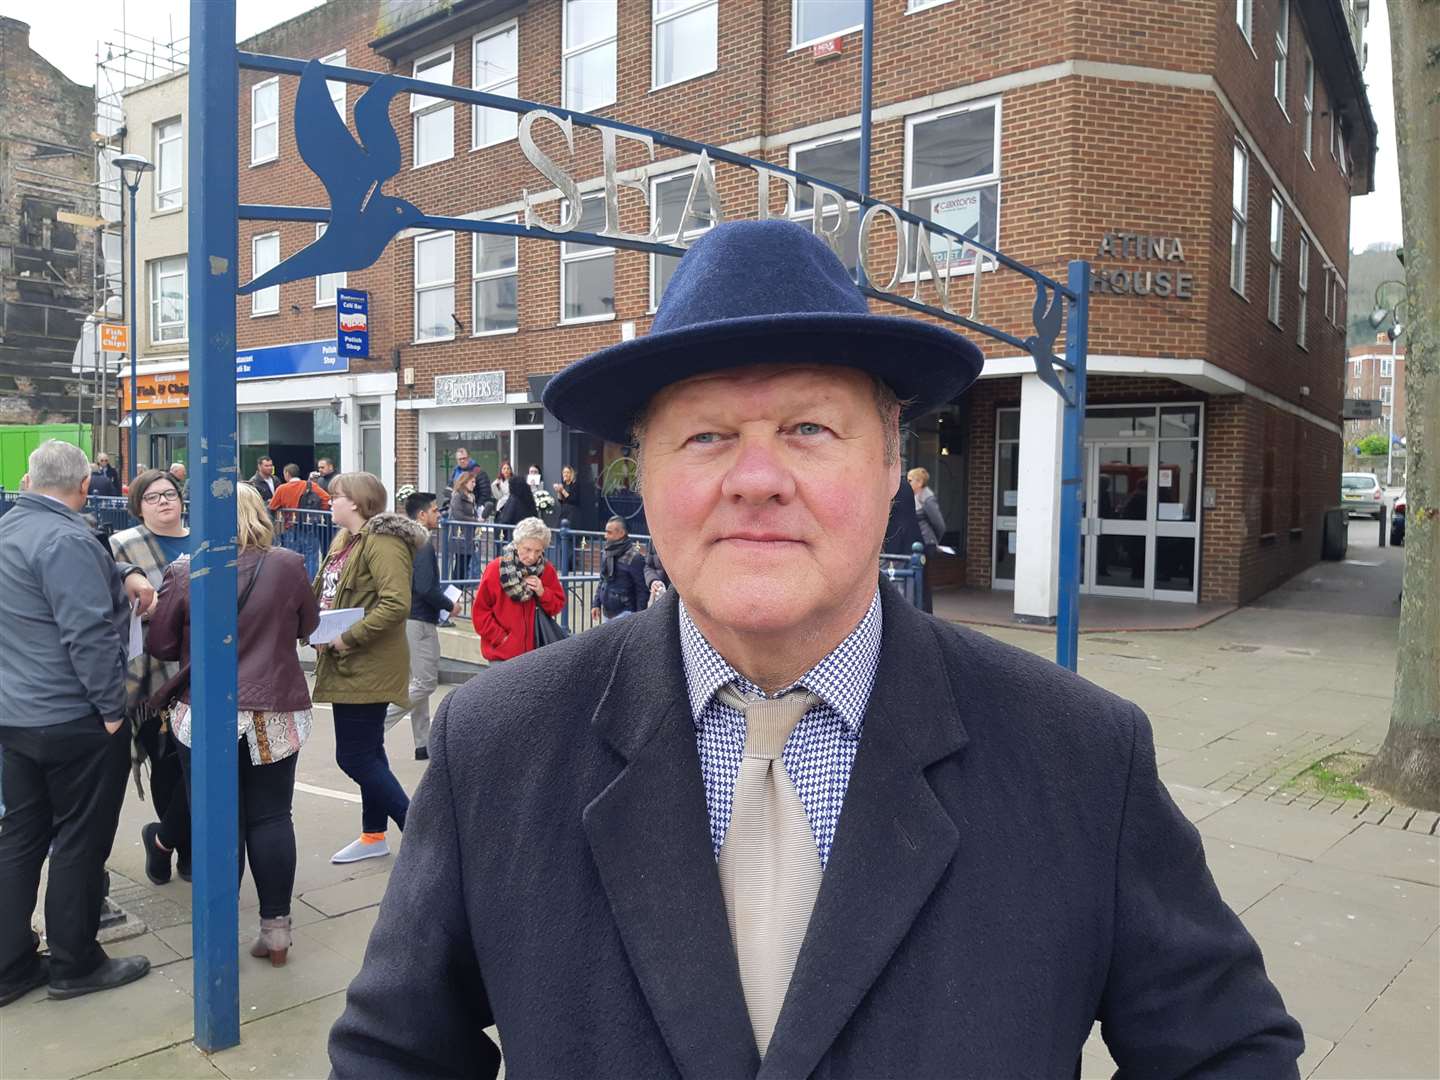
(1377,373)
(1201,152)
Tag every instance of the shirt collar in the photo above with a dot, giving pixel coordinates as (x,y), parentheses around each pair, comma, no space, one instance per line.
(842,679)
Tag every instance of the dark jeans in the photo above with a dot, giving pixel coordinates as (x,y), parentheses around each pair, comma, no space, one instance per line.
(360,752)
(168,791)
(267,831)
(932,552)
(64,784)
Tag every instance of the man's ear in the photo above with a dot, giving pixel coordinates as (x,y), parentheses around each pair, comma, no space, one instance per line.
(85,487)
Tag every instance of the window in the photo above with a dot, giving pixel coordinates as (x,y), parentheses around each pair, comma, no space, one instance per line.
(683,34)
(1337,140)
(921,5)
(370,439)
(1277,254)
(1339,300)
(1387,394)
(1302,317)
(326,284)
(820,20)
(952,175)
(167,301)
(496,282)
(1239,210)
(1282,53)
(836,159)
(169,165)
(1387,367)
(667,203)
(1309,104)
(265,121)
(496,55)
(336,86)
(264,255)
(434,117)
(435,287)
(587,274)
(589,54)
(1243,13)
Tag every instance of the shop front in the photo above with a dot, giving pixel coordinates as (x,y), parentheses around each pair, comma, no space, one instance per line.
(161,417)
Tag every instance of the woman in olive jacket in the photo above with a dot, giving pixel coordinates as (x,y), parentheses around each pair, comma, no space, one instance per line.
(368,666)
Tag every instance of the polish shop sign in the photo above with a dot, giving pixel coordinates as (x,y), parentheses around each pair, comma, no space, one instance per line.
(1161,274)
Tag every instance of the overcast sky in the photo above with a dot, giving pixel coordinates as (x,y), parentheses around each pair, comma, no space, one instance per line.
(66,33)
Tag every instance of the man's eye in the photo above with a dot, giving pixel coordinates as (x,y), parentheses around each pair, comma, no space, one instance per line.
(706,438)
(808,428)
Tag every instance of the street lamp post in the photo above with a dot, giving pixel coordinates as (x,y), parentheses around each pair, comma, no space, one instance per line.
(132,167)
(1378,318)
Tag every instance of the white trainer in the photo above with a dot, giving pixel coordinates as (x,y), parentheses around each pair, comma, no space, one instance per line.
(360,849)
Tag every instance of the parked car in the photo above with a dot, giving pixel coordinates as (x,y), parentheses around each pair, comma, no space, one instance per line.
(1397,521)
(1362,494)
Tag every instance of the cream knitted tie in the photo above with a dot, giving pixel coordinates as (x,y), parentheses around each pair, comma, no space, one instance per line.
(769,867)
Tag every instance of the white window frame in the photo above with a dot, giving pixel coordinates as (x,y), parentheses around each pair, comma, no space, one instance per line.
(1245,20)
(422,105)
(1276,248)
(259,300)
(500,87)
(1302,315)
(339,280)
(1387,367)
(1308,103)
(1387,395)
(154,277)
(1239,216)
(585,253)
(996,177)
(807,217)
(265,84)
(657,20)
(336,87)
(566,55)
(1339,300)
(686,234)
(796,44)
(177,189)
(913,6)
(478,277)
(1282,57)
(432,286)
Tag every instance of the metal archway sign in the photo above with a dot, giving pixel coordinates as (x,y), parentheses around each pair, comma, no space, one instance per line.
(927,259)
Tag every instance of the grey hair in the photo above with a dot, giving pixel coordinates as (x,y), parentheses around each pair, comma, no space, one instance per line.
(532,528)
(58,466)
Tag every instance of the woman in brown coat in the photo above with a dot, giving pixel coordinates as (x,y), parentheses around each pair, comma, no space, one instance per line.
(368,666)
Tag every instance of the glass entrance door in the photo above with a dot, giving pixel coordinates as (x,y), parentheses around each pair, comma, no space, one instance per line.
(1120,522)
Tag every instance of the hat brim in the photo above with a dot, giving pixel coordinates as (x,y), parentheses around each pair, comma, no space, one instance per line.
(925,364)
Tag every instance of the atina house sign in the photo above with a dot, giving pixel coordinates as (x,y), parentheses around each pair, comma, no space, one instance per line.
(474,388)
(1166,282)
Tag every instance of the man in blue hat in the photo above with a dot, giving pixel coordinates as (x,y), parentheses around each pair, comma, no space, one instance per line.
(781,823)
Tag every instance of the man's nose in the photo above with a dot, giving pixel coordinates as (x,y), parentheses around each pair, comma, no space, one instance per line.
(759,471)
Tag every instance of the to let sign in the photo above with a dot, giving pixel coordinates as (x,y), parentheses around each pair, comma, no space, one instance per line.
(352,322)
(114,337)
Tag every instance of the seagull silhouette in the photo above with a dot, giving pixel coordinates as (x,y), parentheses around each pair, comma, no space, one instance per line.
(362,219)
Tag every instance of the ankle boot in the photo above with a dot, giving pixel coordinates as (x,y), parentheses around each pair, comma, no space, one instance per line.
(274,940)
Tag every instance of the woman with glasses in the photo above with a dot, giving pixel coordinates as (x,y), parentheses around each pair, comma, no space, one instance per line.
(159,539)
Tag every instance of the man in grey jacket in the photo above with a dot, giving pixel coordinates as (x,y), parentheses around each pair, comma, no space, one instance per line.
(63,756)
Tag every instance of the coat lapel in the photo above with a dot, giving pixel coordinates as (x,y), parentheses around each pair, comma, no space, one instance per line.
(650,835)
(892,845)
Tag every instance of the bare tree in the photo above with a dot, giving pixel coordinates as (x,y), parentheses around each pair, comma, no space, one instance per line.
(1408,765)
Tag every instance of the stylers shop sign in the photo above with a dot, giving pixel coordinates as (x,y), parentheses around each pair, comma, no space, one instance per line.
(1167,280)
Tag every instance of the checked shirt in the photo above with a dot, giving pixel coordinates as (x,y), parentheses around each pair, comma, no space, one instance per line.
(820,751)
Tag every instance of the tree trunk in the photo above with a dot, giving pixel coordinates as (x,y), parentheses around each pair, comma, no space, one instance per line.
(1408,765)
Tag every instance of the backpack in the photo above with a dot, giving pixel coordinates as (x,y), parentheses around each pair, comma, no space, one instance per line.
(309,500)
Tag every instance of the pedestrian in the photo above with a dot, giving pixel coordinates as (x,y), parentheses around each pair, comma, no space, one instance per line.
(159,539)
(484,505)
(65,605)
(179,472)
(264,479)
(656,580)
(100,483)
(103,460)
(422,634)
(623,840)
(503,613)
(275,608)
(533,479)
(367,668)
(297,494)
(622,589)
(326,468)
(500,487)
(462,521)
(463,465)
(570,508)
(932,526)
(519,506)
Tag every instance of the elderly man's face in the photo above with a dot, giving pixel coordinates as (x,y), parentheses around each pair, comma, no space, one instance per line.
(768,491)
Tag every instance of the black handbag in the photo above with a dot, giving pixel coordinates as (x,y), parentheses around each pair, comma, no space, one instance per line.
(547,630)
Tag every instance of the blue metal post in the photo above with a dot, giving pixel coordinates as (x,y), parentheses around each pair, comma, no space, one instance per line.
(1077,333)
(133,469)
(214,224)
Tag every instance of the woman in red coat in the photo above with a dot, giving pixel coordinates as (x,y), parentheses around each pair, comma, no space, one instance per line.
(504,608)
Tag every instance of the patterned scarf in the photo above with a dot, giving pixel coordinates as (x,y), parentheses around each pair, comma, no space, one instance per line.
(513,573)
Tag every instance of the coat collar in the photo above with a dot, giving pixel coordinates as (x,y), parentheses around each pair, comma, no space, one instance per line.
(649,833)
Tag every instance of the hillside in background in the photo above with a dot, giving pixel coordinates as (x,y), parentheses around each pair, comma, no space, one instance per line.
(1368,269)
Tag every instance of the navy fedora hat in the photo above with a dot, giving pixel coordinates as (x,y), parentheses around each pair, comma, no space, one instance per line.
(760,292)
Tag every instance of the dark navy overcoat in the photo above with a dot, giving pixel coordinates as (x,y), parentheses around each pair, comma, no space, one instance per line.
(1007,869)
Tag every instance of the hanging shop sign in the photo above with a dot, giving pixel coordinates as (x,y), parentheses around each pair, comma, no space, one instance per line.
(472,388)
(352,322)
(168,391)
(1171,282)
(300,358)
